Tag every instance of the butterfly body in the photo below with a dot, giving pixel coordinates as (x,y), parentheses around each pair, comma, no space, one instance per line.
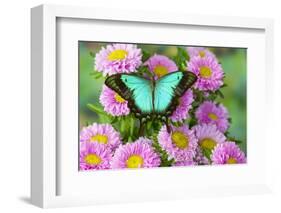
(150,98)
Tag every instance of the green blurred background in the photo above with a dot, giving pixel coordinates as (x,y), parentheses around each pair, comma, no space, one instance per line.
(233,61)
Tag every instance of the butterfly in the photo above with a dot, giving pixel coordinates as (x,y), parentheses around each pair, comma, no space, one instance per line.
(150,98)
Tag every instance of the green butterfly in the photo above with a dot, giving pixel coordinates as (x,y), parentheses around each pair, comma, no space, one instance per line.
(150,99)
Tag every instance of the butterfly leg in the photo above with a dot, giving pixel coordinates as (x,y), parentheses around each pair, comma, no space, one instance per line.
(168,127)
(166,122)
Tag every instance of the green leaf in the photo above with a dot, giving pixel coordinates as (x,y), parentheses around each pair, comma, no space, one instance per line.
(96,74)
(148,126)
(181,58)
(145,55)
(219,93)
(200,97)
(127,128)
(103,116)
(96,109)
(156,126)
(207,153)
(165,161)
(183,53)
(212,96)
(123,128)
(192,122)
(114,120)
(132,126)
(234,140)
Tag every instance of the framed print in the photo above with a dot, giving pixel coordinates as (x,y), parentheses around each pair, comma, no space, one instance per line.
(160,105)
(147,106)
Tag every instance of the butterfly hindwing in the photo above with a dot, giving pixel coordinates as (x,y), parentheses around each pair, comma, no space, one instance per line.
(169,88)
(135,89)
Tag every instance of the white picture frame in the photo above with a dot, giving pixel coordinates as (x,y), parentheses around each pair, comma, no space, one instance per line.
(45,157)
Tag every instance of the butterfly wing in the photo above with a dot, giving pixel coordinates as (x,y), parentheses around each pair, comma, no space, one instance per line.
(135,89)
(169,88)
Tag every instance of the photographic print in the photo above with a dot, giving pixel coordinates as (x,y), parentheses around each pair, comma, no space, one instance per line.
(152,105)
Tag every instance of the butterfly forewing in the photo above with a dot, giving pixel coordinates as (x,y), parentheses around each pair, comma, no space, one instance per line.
(142,92)
(169,88)
(136,90)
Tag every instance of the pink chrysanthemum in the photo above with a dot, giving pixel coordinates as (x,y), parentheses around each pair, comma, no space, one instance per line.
(181,112)
(113,103)
(103,134)
(210,113)
(199,52)
(208,136)
(209,73)
(228,153)
(118,58)
(180,143)
(160,65)
(138,154)
(94,156)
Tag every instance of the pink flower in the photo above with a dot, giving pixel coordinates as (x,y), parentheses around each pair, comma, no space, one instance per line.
(180,143)
(228,153)
(210,113)
(199,52)
(138,154)
(113,103)
(94,156)
(209,73)
(181,112)
(103,134)
(208,137)
(160,65)
(118,58)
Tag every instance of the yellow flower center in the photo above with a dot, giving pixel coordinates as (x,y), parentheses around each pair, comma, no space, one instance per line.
(205,72)
(134,161)
(118,98)
(213,116)
(117,55)
(180,140)
(92,159)
(231,161)
(160,70)
(99,138)
(202,53)
(207,143)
